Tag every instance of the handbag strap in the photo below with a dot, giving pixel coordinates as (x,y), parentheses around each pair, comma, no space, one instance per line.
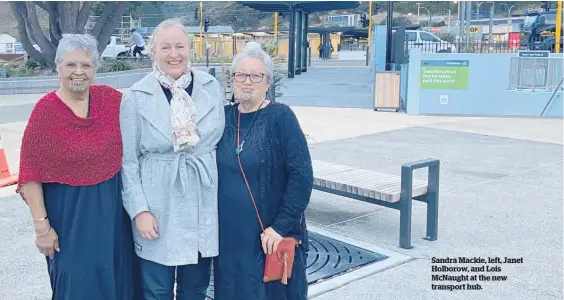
(245,177)
(249,188)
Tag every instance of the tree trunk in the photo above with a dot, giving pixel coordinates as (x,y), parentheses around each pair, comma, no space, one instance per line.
(83,15)
(104,37)
(47,47)
(18,8)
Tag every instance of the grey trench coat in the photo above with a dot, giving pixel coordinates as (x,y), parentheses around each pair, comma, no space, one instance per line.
(179,189)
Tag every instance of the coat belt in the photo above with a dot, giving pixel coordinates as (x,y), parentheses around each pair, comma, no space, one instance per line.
(181,162)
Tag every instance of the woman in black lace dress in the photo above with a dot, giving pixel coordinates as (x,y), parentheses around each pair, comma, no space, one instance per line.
(266,141)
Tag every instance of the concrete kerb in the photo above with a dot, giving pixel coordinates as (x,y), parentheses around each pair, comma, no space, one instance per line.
(394,259)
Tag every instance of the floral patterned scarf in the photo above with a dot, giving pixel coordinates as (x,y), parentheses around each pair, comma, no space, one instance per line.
(183,110)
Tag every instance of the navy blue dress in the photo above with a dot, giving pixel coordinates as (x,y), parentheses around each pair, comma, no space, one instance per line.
(95,238)
(238,270)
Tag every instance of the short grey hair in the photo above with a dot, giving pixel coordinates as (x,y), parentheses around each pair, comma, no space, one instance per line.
(78,42)
(255,52)
(174,22)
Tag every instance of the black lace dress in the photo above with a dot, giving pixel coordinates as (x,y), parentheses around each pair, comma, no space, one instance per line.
(277,165)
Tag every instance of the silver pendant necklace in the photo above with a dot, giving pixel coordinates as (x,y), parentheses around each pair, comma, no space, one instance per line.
(239,147)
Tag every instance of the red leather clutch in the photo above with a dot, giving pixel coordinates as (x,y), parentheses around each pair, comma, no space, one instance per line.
(278,265)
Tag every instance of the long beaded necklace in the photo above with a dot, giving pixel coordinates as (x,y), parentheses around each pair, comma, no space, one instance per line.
(239,147)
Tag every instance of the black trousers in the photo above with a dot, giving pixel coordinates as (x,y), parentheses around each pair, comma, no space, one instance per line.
(136,50)
(192,281)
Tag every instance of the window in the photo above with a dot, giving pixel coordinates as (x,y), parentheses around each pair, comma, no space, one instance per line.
(536,74)
(427,37)
(411,36)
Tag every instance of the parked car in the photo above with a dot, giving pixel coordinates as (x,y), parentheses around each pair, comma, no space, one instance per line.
(428,42)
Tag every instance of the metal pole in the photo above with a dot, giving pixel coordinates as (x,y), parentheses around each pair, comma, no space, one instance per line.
(369,33)
(201,28)
(389,22)
(276,30)
(369,24)
(492,9)
(418,7)
(272,92)
(367,55)
(276,24)
(299,36)
(461,16)
(292,40)
(305,19)
(468,21)
(558,34)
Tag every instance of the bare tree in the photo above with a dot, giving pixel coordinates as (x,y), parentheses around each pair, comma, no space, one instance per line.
(64,17)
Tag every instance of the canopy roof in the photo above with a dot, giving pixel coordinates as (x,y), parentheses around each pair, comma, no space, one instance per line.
(306,6)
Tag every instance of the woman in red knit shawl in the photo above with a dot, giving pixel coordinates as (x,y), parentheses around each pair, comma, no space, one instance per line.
(70,179)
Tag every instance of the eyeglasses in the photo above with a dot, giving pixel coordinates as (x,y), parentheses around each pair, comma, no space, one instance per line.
(241,77)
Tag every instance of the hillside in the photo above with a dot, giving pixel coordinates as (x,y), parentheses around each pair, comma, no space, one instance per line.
(8,24)
(240,17)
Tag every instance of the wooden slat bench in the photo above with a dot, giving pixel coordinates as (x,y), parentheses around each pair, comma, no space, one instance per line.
(387,190)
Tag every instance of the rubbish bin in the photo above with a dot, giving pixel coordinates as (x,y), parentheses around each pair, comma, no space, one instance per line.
(387,91)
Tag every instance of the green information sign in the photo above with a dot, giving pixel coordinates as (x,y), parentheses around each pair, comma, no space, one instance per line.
(444,74)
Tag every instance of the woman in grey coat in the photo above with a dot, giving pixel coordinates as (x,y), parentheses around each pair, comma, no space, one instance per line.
(171,122)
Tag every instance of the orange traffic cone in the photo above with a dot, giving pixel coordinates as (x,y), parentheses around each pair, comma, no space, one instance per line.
(6,178)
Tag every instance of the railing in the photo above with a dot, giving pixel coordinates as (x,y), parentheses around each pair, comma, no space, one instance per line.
(535,74)
(482,46)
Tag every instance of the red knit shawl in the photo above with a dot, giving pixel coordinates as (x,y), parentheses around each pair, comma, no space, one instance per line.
(59,146)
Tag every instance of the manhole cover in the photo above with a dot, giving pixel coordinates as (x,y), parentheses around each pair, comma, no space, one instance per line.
(328,257)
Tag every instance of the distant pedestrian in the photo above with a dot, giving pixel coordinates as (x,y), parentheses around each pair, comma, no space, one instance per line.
(137,40)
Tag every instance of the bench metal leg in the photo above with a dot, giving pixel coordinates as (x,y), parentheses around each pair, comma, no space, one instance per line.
(405,223)
(433,203)
(432,200)
(405,207)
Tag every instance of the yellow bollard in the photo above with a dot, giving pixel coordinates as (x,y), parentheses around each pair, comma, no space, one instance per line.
(557,35)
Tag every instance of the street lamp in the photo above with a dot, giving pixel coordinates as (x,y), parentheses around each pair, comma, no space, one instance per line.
(509,21)
(492,13)
(478,10)
(418,7)
(429,13)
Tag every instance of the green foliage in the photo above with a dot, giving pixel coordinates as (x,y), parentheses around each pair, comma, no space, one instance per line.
(116,66)
(31,64)
(212,60)
(135,8)
(24,71)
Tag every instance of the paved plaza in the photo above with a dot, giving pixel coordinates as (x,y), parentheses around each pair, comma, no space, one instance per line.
(501,194)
